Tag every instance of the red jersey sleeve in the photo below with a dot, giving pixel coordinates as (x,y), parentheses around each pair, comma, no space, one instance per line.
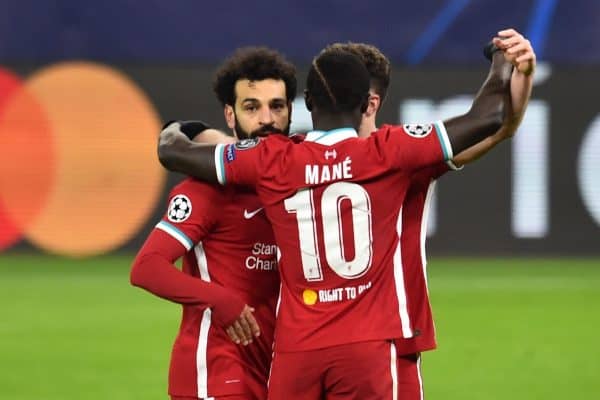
(432,172)
(414,146)
(190,216)
(249,161)
(192,212)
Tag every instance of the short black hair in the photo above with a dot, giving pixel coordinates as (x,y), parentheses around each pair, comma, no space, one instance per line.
(254,64)
(377,64)
(337,81)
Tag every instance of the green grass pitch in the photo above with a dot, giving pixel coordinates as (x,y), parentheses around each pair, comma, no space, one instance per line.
(507,329)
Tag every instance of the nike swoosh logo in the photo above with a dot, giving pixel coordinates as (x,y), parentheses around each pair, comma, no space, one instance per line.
(251,214)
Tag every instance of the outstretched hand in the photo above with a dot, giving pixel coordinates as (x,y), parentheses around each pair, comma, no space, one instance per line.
(517,49)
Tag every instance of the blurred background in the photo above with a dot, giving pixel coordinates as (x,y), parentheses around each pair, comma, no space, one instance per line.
(514,239)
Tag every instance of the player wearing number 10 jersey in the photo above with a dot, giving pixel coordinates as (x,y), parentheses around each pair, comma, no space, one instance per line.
(333,202)
(416,202)
(342,228)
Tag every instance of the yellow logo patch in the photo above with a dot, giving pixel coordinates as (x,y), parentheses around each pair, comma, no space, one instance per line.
(309,296)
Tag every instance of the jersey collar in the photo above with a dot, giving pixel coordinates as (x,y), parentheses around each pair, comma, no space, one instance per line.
(331,137)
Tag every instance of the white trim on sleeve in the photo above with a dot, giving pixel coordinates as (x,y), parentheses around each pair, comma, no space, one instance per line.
(219,164)
(202,350)
(453,166)
(440,129)
(405,321)
(176,234)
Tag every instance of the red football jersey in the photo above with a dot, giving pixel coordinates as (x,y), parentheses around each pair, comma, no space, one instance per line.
(334,202)
(229,242)
(415,210)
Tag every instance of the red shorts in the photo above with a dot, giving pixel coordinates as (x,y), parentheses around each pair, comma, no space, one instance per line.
(410,383)
(366,370)
(255,389)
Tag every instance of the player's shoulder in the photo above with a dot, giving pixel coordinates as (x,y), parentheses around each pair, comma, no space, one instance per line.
(419,130)
(386,128)
(193,199)
(262,144)
(276,139)
(383,132)
(431,172)
(297,137)
(271,147)
(194,187)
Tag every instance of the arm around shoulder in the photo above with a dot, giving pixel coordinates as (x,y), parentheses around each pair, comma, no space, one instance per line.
(179,154)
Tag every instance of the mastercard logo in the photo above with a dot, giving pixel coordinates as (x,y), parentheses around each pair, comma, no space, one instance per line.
(78,168)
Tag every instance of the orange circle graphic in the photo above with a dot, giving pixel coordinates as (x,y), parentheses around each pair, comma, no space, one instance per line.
(26,151)
(107,179)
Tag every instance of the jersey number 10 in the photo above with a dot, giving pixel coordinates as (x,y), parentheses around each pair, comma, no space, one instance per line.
(303,205)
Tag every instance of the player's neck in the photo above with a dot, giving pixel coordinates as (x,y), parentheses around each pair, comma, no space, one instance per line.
(327,122)
(367,126)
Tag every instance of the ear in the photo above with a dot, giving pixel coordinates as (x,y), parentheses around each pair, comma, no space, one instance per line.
(373,104)
(229,113)
(365,104)
(307,100)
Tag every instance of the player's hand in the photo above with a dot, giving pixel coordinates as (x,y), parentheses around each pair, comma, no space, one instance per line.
(171,132)
(214,136)
(245,328)
(517,50)
(190,128)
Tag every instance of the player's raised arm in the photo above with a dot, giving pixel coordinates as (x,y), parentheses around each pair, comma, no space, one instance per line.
(519,52)
(178,153)
(488,110)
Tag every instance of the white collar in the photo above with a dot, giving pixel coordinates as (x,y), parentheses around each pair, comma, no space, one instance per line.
(331,137)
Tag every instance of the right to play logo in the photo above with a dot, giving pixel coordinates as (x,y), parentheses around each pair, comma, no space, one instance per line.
(310,297)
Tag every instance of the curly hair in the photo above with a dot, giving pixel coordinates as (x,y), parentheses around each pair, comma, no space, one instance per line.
(377,64)
(254,64)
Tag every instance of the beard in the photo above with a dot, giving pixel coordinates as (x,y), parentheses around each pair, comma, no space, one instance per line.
(262,131)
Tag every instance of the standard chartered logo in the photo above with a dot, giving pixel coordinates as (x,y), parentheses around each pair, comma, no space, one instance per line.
(264,257)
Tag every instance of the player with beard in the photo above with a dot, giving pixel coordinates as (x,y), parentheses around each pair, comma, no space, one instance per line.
(334,202)
(229,282)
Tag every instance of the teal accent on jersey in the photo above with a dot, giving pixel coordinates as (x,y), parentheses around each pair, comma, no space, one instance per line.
(175,232)
(221,164)
(327,133)
(443,140)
